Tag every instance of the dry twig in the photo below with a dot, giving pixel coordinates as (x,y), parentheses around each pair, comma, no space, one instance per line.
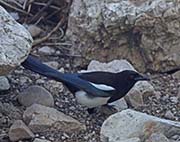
(44,4)
(15,8)
(38,41)
(35,17)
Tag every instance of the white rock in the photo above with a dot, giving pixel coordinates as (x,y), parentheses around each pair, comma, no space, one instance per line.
(119,104)
(4,83)
(52,64)
(40,140)
(36,95)
(15,15)
(46,50)
(113,66)
(34,30)
(40,118)
(15,42)
(129,123)
(157,137)
(19,131)
(135,139)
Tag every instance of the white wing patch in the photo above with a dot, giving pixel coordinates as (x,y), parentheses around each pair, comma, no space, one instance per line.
(103,87)
(90,101)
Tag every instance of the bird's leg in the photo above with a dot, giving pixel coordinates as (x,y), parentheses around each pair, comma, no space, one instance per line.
(91,110)
(108,109)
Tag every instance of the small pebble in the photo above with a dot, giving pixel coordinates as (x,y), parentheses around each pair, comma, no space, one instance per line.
(52,64)
(169,115)
(4,83)
(174,99)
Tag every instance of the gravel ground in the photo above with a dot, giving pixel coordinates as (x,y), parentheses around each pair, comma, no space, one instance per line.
(165,100)
(157,105)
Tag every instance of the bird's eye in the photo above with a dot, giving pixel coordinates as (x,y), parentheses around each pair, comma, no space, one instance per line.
(131,77)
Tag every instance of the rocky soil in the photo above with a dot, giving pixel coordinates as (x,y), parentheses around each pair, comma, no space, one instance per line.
(18,117)
(164,104)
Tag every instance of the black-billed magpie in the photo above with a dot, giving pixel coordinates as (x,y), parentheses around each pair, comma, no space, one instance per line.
(91,89)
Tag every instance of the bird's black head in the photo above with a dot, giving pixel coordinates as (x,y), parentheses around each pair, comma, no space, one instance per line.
(124,81)
(132,76)
(127,78)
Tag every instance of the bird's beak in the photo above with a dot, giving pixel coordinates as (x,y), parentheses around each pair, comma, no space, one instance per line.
(142,78)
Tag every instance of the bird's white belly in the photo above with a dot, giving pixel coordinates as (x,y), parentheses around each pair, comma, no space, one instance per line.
(90,102)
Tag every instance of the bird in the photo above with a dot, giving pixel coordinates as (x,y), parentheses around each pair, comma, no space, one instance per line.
(91,89)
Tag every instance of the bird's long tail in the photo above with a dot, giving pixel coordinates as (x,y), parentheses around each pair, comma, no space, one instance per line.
(36,66)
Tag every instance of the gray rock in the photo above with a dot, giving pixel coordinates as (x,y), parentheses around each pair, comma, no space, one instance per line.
(177,75)
(40,140)
(176,137)
(24,79)
(157,137)
(19,131)
(178,93)
(173,141)
(139,93)
(34,30)
(46,50)
(54,86)
(107,33)
(41,118)
(134,98)
(158,95)
(15,43)
(4,83)
(129,123)
(36,95)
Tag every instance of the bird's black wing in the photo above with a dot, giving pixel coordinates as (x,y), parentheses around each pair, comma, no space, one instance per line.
(100,77)
(104,81)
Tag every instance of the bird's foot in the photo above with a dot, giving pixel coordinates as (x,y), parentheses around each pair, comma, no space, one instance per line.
(108,109)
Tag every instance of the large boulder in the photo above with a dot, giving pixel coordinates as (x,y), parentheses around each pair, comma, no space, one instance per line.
(15,42)
(129,124)
(145,32)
